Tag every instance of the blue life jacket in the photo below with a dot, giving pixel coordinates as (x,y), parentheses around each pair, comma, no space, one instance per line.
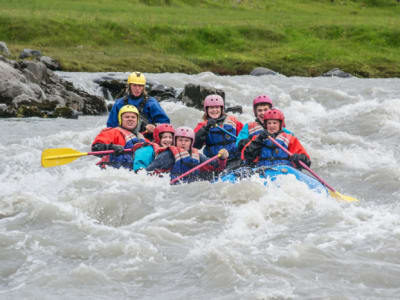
(273,155)
(217,139)
(184,161)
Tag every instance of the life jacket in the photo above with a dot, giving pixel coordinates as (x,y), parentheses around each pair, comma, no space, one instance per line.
(125,160)
(140,107)
(273,155)
(184,161)
(217,139)
(254,128)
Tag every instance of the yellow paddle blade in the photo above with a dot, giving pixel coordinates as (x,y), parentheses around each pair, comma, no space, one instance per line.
(340,196)
(60,156)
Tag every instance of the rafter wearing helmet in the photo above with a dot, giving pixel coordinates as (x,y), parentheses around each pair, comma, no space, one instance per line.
(183,157)
(261,151)
(208,134)
(150,110)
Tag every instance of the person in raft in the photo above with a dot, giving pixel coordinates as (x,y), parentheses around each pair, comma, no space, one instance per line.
(209,134)
(183,157)
(261,151)
(125,136)
(163,136)
(150,110)
(261,104)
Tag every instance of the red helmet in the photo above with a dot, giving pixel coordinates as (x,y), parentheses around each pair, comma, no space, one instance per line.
(161,128)
(185,131)
(262,99)
(275,114)
(213,100)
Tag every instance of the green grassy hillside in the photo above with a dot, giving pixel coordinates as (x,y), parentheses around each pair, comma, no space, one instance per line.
(297,37)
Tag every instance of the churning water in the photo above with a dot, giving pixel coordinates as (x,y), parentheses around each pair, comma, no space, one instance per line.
(75,232)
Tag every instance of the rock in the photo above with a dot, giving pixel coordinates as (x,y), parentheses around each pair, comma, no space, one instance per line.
(234,109)
(193,95)
(29,88)
(3,49)
(30,53)
(262,71)
(162,92)
(50,63)
(336,72)
(117,89)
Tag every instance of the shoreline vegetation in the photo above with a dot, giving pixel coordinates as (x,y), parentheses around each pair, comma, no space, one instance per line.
(227,37)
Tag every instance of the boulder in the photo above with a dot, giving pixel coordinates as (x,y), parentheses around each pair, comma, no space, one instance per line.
(50,63)
(29,88)
(193,95)
(336,72)
(4,50)
(262,71)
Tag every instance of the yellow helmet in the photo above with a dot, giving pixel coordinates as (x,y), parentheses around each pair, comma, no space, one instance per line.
(127,108)
(136,78)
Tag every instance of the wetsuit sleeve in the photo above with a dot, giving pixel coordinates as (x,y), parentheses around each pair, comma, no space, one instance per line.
(143,157)
(164,161)
(295,147)
(239,127)
(243,135)
(215,165)
(252,150)
(201,135)
(113,115)
(111,136)
(155,112)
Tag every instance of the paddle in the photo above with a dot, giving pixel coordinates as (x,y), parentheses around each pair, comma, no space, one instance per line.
(62,156)
(332,191)
(195,168)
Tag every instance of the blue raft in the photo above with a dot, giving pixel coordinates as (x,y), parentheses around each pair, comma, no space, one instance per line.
(272,174)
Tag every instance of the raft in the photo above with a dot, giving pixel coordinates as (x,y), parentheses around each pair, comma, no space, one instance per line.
(272,173)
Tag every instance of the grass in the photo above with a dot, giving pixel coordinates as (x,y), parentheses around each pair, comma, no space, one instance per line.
(298,37)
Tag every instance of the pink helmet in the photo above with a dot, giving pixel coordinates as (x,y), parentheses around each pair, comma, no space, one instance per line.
(161,128)
(275,114)
(185,131)
(213,100)
(262,99)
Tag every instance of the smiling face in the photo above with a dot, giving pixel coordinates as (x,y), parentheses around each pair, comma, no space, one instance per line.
(261,109)
(129,120)
(214,112)
(136,89)
(273,126)
(183,142)
(166,139)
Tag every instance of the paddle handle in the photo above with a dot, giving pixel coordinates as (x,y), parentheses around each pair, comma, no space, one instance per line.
(303,165)
(227,132)
(195,168)
(106,152)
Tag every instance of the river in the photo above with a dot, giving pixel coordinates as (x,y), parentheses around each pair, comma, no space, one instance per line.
(75,232)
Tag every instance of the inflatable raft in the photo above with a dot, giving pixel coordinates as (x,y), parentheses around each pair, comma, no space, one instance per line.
(272,173)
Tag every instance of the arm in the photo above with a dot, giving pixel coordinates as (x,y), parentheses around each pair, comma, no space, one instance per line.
(165,160)
(239,127)
(143,157)
(113,115)
(252,149)
(299,153)
(215,165)
(201,135)
(155,112)
(243,137)
(109,136)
